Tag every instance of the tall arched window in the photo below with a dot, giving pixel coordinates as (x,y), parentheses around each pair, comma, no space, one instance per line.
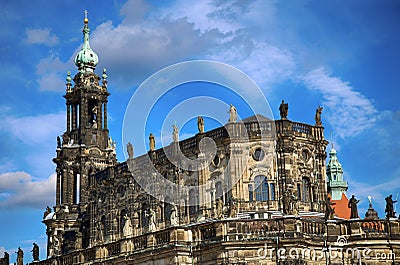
(306,189)
(167,209)
(299,195)
(261,188)
(272,190)
(122,221)
(145,215)
(251,192)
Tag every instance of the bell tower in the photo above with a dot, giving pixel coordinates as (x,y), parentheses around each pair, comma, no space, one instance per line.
(86,147)
(334,172)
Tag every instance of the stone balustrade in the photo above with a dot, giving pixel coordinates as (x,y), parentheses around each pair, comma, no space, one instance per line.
(287,229)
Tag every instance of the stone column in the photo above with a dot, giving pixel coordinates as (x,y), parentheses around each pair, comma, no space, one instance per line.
(64,186)
(100,118)
(68,117)
(74,116)
(58,187)
(105,114)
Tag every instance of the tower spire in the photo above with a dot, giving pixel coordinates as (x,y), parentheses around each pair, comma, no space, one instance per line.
(86,59)
(334,173)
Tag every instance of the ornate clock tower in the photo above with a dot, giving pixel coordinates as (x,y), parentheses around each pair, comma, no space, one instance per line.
(85,148)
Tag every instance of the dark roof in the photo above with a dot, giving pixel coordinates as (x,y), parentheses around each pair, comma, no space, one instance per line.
(255,118)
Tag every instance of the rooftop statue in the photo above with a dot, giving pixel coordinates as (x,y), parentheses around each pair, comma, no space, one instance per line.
(284,109)
(329,211)
(353,206)
(389,210)
(130,150)
(35,252)
(152,142)
(200,124)
(318,113)
(232,114)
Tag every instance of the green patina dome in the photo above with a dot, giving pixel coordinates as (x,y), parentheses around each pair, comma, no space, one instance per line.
(334,163)
(86,59)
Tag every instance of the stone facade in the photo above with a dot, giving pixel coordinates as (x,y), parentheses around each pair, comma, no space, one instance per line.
(264,189)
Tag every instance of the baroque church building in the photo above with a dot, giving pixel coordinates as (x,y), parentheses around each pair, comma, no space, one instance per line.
(261,199)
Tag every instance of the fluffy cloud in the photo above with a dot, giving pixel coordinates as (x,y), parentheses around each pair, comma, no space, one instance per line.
(41,36)
(30,141)
(52,72)
(19,189)
(264,63)
(34,130)
(348,111)
(145,48)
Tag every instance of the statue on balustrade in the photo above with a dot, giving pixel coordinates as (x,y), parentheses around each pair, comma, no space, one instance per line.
(130,150)
(353,207)
(329,211)
(152,142)
(20,256)
(35,252)
(128,228)
(6,259)
(174,215)
(318,113)
(200,124)
(232,114)
(389,210)
(175,134)
(284,109)
(47,212)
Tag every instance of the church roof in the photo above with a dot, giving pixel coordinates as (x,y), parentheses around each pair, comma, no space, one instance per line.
(255,118)
(341,207)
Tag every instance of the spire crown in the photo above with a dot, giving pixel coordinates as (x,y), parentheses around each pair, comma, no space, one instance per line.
(86,59)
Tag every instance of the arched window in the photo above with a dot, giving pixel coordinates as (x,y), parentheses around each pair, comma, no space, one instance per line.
(272,190)
(299,192)
(167,209)
(251,192)
(261,188)
(145,215)
(122,221)
(306,189)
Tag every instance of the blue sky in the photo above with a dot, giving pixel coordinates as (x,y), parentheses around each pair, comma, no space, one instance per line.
(343,55)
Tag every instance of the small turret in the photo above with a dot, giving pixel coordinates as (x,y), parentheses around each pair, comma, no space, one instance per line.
(334,173)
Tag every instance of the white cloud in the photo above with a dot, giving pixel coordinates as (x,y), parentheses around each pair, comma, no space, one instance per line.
(19,189)
(52,73)
(34,130)
(206,15)
(264,63)
(41,36)
(51,82)
(136,51)
(348,111)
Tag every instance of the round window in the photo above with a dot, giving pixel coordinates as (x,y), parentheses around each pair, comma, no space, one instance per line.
(258,154)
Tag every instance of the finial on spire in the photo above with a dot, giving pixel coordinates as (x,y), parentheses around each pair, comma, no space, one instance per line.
(86,20)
